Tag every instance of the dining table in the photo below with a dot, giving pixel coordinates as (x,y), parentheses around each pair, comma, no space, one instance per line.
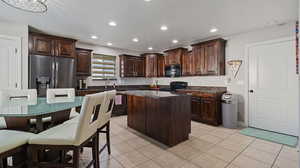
(19,115)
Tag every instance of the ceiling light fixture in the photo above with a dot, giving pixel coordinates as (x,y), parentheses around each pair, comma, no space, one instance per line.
(147,0)
(213,30)
(163,28)
(175,41)
(150,48)
(94,37)
(109,44)
(112,23)
(135,40)
(34,6)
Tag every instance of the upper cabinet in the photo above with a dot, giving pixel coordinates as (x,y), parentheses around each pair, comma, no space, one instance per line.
(132,66)
(41,44)
(174,56)
(209,58)
(187,64)
(154,64)
(83,59)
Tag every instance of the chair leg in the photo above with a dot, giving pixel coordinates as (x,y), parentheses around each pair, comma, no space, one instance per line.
(95,151)
(76,158)
(108,137)
(34,157)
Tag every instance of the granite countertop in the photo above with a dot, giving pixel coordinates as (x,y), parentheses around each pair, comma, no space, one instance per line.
(150,93)
(202,90)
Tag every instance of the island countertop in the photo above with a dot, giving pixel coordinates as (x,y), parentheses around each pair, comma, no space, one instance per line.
(150,93)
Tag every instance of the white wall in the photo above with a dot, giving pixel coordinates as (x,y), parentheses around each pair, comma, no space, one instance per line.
(18,30)
(235,49)
(114,52)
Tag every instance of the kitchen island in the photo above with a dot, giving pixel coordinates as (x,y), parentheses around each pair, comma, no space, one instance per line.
(163,116)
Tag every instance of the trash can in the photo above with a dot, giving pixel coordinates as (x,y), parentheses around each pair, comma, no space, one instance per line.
(230,110)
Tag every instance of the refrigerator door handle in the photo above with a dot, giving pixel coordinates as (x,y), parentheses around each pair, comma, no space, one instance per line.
(53,75)
(56,74)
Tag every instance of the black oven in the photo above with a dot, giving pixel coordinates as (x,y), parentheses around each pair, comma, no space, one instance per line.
(173,71)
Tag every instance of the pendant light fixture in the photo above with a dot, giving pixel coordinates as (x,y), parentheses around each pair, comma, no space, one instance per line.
(34,6)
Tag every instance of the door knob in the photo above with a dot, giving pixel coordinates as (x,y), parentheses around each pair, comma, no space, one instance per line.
(251,91)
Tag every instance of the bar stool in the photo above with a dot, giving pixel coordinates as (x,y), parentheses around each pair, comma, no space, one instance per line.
(105,116)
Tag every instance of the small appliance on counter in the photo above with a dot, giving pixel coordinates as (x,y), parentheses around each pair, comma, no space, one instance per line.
(175,85)
(82,84)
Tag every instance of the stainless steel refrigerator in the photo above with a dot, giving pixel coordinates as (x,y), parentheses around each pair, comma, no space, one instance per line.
(50,72)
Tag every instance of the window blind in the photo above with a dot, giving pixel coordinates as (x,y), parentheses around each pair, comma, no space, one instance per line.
(103,67)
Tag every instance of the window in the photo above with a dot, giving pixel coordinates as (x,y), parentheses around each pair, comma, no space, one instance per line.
(103,67)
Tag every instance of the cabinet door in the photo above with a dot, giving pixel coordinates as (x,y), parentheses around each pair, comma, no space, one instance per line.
(187,62)
(139,67)
(136,113)
(196,109)
(41,45)
(65,48)
(151,65)
(208,111)
(160,66)
(199,53)
(83,58)
(211,59)
(129,67)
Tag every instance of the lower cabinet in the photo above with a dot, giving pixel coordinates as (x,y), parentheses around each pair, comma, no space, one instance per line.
(136,113)
(206,110)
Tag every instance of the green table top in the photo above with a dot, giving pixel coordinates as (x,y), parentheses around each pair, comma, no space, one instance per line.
(41,108)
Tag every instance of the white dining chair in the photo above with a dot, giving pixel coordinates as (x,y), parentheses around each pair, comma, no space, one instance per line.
(71,136)
(13,142)
(11,98)
(61,96)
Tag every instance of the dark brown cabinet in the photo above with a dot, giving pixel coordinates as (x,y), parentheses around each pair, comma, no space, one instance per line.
(136,113)
(42,44)
(83,58)
(209,57)
(174,56)
(132,66)
(165,119)
(154,64)
(187,62)
(205,107)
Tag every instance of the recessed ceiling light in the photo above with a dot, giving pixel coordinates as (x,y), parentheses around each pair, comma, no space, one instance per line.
(147,0)
(150,48)
(213,30)
(163,28)
(112,23)
(135,40)
(175,41)
(109,44)
(94,37)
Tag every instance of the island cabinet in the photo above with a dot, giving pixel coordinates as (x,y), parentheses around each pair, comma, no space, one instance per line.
(83,62)
(154,64)
(47,45)
(174,56)
(162,116)
(132,66)
(187,62)
(209,58)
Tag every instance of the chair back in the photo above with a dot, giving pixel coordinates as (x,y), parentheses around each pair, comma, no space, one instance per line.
(89,117)
(60,95)
(20,97)
(108,106)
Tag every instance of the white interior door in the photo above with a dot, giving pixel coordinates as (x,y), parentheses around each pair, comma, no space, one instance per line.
(10,62)
(273,105)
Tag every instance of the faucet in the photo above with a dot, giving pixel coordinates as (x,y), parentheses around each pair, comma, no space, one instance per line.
(106,83)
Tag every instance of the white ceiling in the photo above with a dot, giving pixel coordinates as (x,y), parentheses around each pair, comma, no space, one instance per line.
(187,20)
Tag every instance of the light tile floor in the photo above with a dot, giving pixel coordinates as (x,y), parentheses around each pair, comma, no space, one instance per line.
(208,147)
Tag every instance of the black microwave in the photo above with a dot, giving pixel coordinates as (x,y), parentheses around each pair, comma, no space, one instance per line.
(173,71)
